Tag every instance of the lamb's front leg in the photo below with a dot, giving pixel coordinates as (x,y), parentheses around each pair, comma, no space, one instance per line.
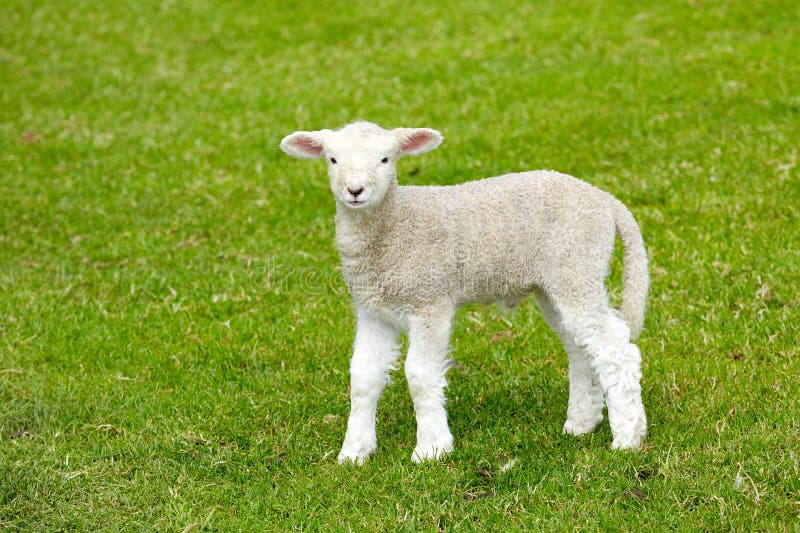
(374,353)
(426,366)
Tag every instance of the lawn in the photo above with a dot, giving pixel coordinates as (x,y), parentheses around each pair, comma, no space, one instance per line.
(174,334)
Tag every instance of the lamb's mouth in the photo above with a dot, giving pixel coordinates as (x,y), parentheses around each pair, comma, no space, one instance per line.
(355,203)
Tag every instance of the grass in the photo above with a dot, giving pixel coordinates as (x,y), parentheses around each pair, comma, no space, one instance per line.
(174,336)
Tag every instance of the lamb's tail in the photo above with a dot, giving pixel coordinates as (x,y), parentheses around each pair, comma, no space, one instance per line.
(635,277)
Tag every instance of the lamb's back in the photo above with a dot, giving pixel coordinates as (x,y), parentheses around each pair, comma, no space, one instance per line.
(522,203)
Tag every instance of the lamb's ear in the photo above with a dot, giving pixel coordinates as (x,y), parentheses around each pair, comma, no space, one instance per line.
(304,144)
(417,140)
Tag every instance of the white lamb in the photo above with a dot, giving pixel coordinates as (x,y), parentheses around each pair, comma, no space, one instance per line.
(412,255)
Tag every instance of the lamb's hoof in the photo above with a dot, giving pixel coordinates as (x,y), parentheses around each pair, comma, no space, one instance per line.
(572,427)
(356,456)
(626,443)
(631,440)
(432,452)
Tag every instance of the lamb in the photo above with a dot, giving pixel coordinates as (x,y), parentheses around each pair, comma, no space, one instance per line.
(411,255)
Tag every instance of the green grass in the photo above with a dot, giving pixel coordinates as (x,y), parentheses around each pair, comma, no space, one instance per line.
(153,377)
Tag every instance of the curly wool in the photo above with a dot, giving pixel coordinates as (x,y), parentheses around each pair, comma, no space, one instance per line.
(495,239)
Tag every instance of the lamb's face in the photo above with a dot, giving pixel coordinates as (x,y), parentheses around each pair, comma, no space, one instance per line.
(361,168)
(362,158)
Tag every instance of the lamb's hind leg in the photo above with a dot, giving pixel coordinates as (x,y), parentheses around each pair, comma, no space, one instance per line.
(604,337)
(585,407)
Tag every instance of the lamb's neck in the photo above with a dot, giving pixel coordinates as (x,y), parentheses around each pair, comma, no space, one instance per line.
(360,231)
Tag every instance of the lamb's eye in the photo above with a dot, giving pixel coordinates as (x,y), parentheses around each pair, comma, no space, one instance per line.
(333,160)
(385,160)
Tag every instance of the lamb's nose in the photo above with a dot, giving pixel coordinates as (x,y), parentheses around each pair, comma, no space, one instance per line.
(355,192)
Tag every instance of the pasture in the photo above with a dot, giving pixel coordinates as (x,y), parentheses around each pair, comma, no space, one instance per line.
(174,333)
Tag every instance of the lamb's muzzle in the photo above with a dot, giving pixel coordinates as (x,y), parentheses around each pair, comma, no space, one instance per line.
(412,255)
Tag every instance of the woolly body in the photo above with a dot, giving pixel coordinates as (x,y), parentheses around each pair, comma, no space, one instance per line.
(412,255)
(505,238)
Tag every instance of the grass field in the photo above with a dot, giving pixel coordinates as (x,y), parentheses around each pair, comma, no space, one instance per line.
(174,337)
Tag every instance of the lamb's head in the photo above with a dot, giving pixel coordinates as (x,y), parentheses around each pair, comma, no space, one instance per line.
(362,157)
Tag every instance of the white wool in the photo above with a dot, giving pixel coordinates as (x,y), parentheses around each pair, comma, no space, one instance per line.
(412,255)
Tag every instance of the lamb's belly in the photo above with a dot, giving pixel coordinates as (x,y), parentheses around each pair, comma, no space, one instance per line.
(397,296)
(496,286)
